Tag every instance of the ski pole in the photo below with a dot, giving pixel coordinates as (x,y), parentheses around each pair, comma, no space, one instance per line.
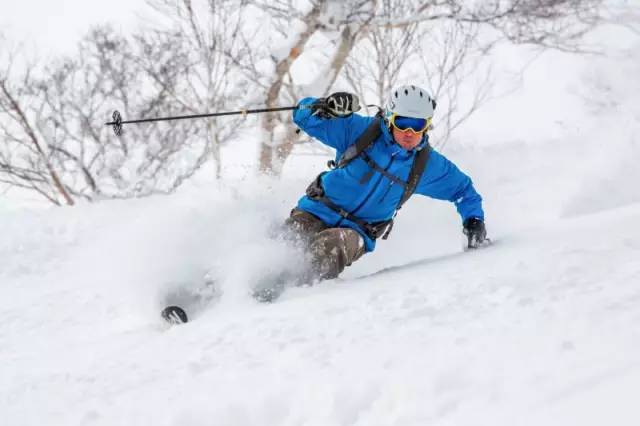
(118,121)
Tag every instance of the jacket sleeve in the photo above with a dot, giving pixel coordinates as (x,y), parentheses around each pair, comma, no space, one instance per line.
(444,181)
(338,133)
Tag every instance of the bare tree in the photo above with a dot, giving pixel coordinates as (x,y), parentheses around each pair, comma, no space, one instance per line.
(25,161)
(80,92)
(297,29)
(441,55)
(443,41)
(383,55)
(210,58)
(453,60)
(557,24)
(380,38)
(204,37)
(64,109)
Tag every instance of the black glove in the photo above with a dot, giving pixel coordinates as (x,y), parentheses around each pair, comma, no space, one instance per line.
(475,231)
(339,104)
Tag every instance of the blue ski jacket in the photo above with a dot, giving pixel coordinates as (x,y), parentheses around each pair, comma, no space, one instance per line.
(377,199)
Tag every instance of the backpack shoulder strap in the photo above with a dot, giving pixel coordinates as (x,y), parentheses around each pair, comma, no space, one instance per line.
(417,169)
(363,142)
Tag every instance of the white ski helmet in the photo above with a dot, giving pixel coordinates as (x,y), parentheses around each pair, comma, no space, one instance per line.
(411,101)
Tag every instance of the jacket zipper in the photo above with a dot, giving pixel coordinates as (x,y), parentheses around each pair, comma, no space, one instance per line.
(386,192)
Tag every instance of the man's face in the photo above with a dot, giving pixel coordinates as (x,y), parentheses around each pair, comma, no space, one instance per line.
(407,138)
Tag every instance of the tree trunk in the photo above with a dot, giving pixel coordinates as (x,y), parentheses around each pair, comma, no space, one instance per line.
(347,42)
(270,120)
(214,143)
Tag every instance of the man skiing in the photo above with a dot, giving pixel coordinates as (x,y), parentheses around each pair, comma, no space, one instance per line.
(380,161)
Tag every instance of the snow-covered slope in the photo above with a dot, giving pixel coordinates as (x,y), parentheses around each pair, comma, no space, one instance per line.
(542,328)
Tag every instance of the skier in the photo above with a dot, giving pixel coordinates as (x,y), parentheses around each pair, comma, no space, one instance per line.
(380,161)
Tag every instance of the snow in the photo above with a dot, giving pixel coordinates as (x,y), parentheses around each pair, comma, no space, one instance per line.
(542,328)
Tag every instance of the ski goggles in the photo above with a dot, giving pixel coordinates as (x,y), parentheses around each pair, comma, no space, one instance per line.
(404,124)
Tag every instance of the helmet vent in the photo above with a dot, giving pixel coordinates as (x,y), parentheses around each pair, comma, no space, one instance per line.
(410,101)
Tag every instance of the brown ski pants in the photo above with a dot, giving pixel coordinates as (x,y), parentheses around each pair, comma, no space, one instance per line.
(330,249)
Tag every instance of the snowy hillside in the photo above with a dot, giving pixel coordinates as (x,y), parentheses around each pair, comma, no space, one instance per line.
(542,328)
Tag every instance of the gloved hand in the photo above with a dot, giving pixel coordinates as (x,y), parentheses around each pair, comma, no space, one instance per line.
(338,104)
(475,231)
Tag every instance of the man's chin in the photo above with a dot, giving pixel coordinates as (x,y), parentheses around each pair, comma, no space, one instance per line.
(408,146)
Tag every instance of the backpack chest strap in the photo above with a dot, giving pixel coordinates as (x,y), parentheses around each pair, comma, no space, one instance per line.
(375,167)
